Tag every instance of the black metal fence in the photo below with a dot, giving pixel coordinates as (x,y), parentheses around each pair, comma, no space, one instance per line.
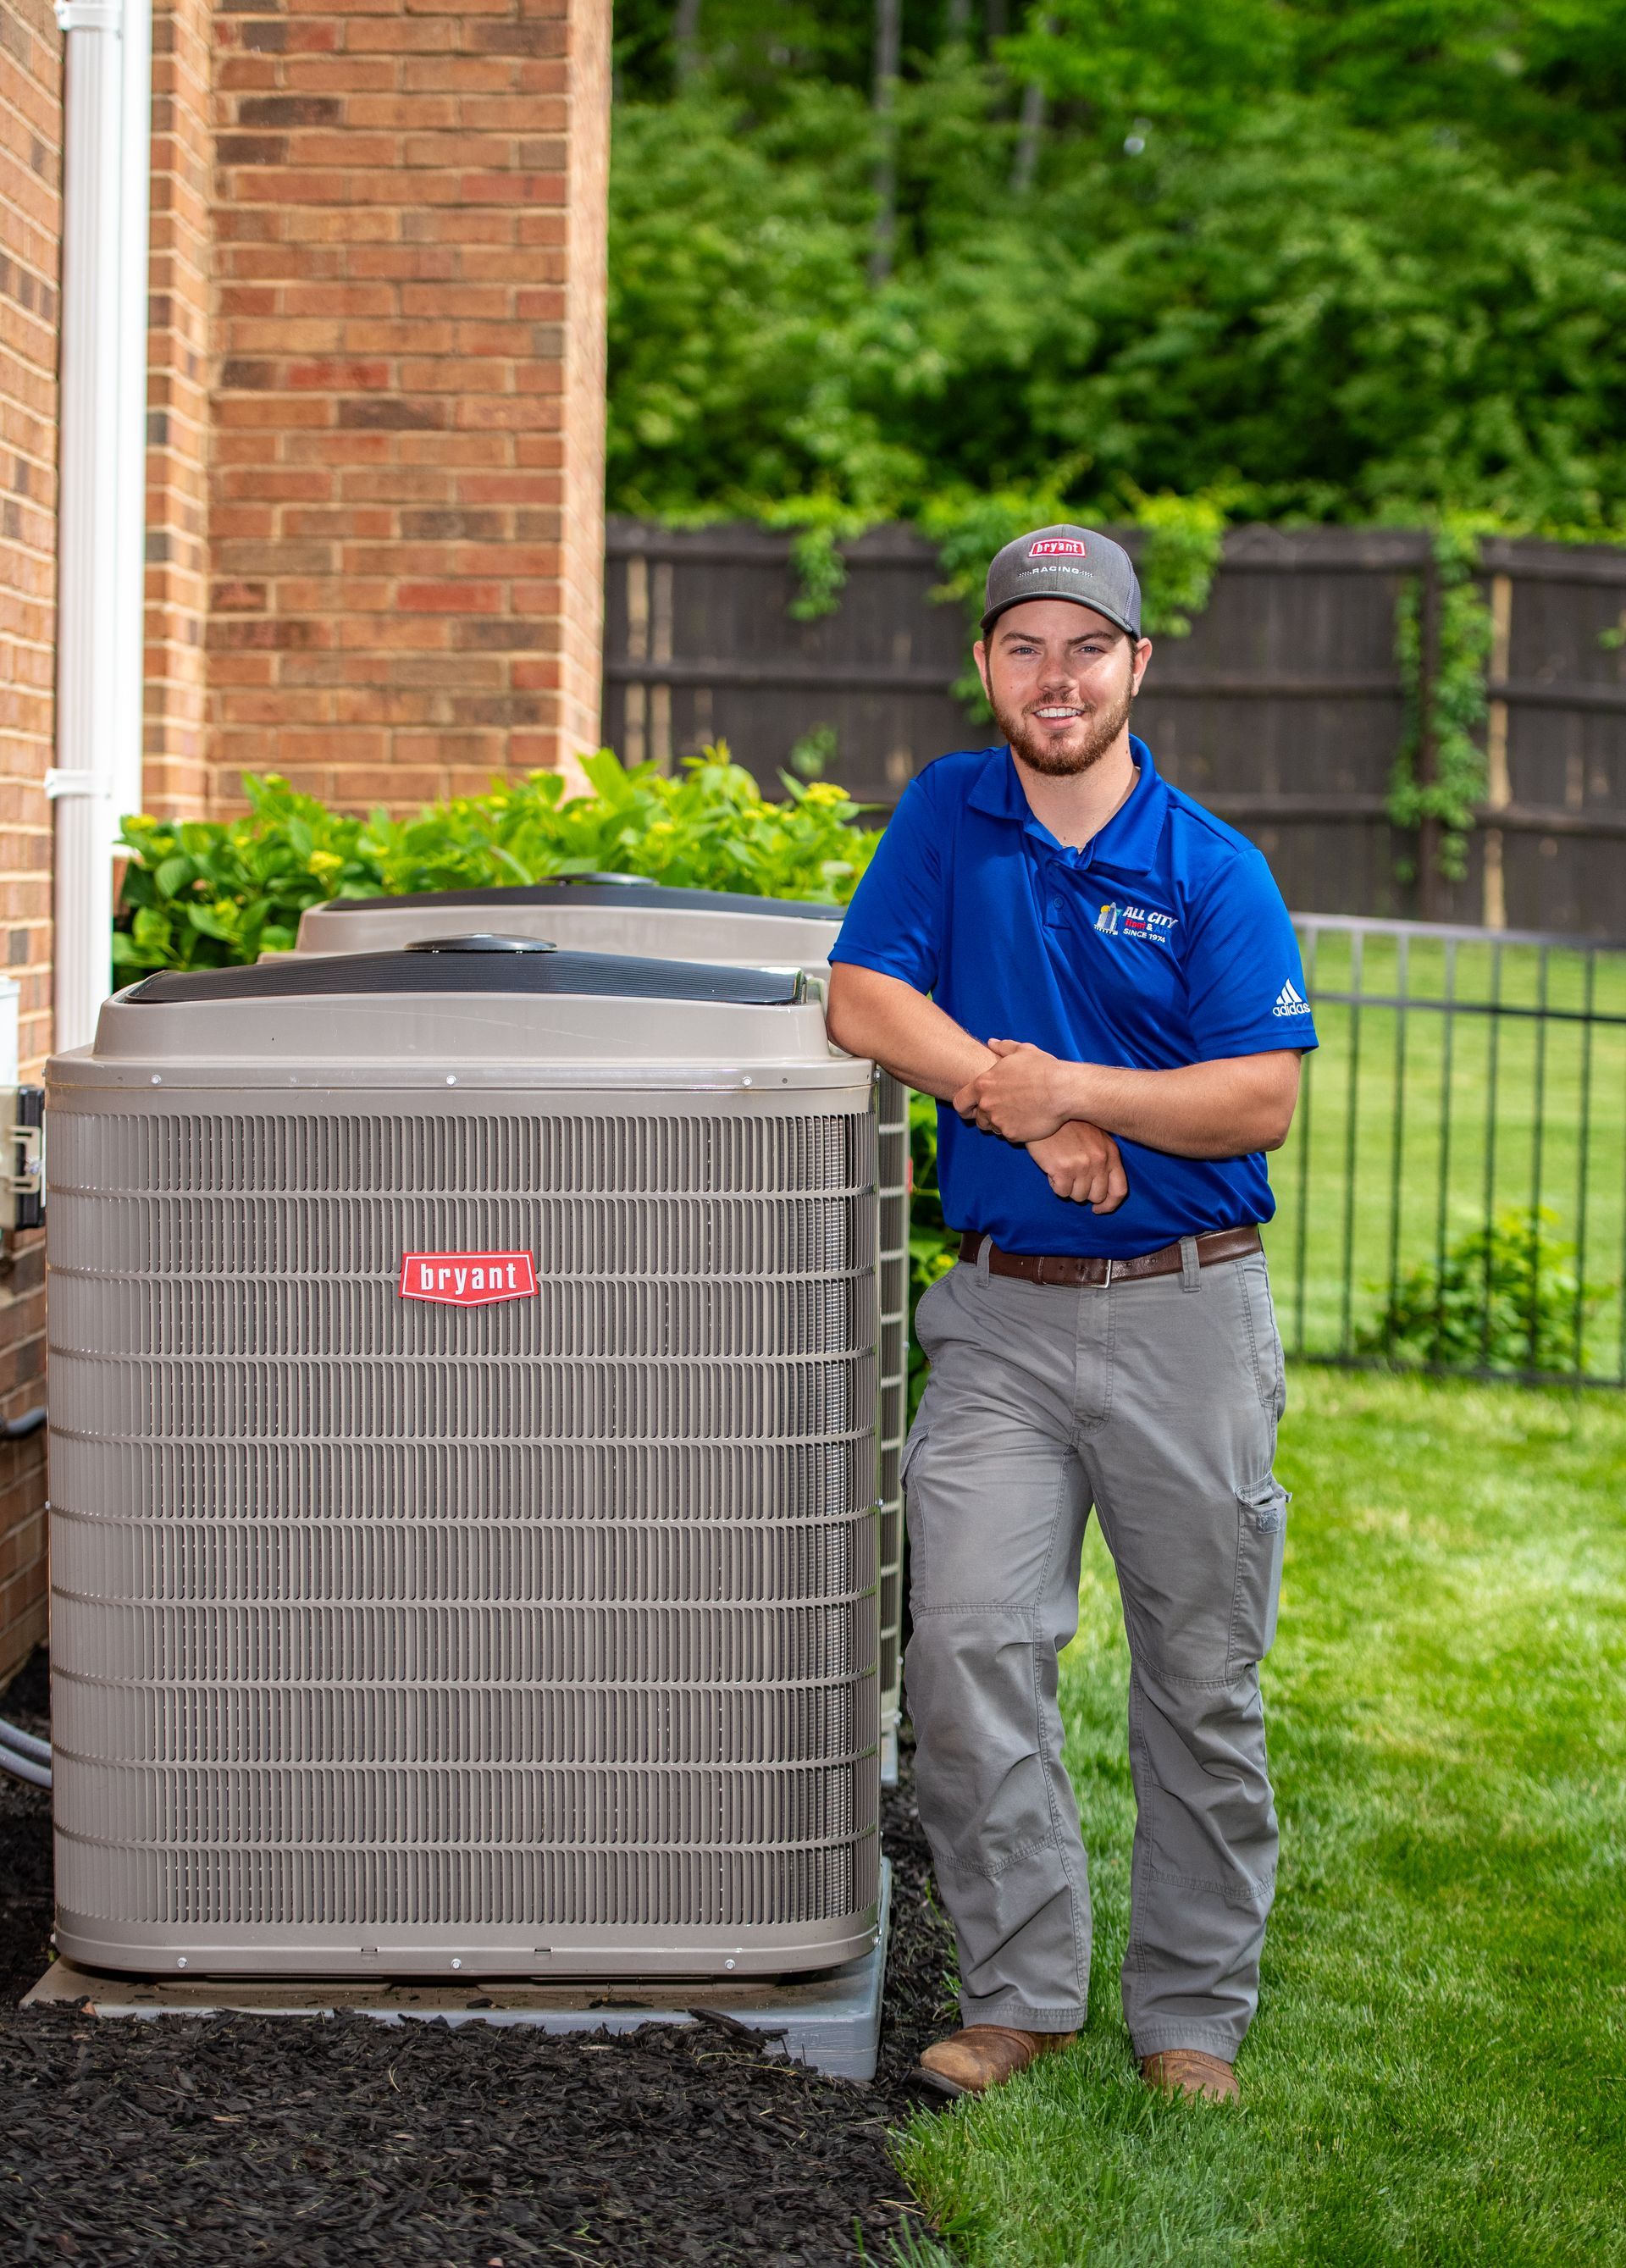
(1452,1197)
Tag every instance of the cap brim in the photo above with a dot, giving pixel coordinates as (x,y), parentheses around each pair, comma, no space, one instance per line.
(1091,606)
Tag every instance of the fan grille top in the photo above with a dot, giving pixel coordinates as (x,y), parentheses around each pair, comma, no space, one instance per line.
(541,1632)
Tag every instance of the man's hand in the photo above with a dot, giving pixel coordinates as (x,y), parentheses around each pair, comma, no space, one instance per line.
(1082,1164)
(1020,1096)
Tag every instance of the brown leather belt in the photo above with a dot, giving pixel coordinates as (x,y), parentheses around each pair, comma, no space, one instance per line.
(1064,1269)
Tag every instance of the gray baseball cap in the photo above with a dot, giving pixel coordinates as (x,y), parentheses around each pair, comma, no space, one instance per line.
(1065,562)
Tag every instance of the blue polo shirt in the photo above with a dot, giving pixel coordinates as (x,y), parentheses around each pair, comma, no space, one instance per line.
(1165,941)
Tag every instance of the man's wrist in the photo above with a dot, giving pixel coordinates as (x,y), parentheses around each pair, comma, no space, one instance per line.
(1077,1098)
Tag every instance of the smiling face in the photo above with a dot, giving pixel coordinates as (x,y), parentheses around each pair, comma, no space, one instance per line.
(1060,679)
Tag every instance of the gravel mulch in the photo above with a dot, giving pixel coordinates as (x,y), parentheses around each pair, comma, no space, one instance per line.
(199,2140)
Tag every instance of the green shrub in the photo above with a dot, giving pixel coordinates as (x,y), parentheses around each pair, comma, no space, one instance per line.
(201,894)
(1506,1296)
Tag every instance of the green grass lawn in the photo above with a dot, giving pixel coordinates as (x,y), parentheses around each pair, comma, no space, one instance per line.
(1410,1125)
(1438,2074)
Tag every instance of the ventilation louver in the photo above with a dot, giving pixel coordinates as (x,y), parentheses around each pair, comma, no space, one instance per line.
(463,1390)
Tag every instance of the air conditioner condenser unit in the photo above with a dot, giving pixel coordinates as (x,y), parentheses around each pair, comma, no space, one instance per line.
(463,1472)
(625,913)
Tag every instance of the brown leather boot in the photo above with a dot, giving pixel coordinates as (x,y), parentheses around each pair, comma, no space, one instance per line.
(1187,2071)
(983,2055)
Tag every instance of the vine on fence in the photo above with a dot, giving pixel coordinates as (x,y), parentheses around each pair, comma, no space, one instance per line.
(1455,703)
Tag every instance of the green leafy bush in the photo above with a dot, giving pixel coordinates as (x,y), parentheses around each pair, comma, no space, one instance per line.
(1507,1297)
(201,894)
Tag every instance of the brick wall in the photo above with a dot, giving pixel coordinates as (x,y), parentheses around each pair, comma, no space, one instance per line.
(29,158)
(405,521)
(374,451)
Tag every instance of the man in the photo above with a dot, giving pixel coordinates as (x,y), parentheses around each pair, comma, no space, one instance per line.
(1101,984)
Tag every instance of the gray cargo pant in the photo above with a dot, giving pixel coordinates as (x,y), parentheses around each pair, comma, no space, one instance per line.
(1156,1402)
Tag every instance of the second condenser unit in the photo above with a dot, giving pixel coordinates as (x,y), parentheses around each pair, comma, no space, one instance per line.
(625,914)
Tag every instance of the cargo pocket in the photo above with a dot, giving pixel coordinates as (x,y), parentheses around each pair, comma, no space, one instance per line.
(1261,1532)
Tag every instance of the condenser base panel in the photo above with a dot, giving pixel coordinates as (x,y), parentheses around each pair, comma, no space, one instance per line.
(829,2020)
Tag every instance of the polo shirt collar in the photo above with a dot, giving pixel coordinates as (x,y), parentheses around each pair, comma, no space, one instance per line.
(1129,840)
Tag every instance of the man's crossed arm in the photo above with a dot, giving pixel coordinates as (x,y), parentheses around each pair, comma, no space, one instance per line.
(1057,1110)
(1218,1109)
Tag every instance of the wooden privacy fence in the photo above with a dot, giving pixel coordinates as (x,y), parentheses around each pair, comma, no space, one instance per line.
(1283,711)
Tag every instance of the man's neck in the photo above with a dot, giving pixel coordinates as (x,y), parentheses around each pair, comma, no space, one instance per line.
(1076,807)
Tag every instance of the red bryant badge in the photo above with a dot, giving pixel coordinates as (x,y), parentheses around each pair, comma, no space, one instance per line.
(468,1279)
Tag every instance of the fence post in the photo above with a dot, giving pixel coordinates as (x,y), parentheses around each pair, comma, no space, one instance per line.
(1428,671)
(1498,783)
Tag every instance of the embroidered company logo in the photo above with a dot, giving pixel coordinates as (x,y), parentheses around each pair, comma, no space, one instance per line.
(468,1279)
(1056,546)
(1136,921)
(1289,1001)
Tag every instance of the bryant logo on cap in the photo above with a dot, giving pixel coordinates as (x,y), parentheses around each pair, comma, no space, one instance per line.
(1050,547)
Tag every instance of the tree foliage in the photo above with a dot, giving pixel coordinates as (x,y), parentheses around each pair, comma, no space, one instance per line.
(1319,259)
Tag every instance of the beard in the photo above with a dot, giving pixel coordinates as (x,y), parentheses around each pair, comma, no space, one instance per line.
(1084,745)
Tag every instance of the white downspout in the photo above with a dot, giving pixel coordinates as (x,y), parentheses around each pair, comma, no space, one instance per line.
(99,565)
(135,202)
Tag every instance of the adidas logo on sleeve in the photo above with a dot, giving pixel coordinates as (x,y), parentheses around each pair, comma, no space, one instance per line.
(1289,1001)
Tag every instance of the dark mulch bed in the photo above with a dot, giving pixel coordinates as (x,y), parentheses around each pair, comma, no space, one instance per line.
(240,2139)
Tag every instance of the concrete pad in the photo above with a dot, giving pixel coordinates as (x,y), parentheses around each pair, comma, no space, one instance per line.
(831,2019)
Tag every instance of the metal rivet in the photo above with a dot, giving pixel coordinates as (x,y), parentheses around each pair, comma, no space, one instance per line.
(728,1964)
(181,1962)
(457,1964)
(450,1079)
(156,1080)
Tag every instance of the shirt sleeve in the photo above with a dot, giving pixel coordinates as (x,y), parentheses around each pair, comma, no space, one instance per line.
(894,923)
(1244,977)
